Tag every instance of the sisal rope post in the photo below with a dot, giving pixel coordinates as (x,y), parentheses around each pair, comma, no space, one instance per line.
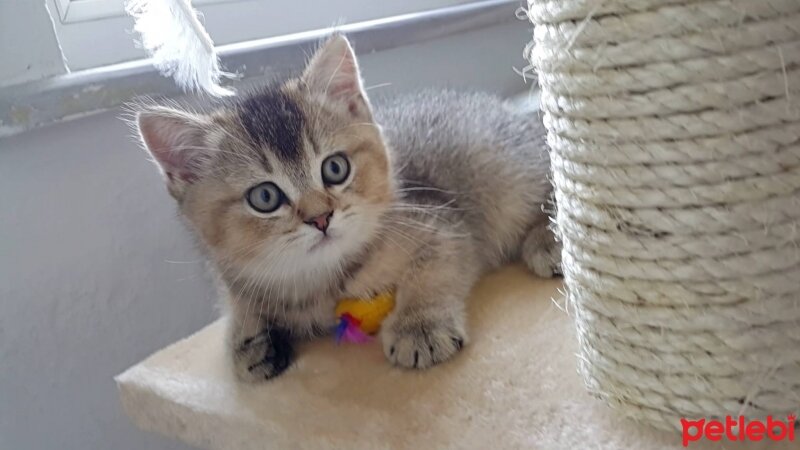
(675,134)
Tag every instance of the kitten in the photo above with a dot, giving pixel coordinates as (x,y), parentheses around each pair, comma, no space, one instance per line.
(302,194)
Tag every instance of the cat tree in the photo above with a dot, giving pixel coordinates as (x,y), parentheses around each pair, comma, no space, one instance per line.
(675,135)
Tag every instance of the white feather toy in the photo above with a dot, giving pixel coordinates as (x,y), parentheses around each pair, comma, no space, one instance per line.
(178,43)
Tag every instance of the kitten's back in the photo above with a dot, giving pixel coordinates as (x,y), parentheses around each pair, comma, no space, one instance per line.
(477,147)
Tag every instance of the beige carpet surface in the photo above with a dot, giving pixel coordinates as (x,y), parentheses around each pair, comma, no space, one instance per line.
(514,386)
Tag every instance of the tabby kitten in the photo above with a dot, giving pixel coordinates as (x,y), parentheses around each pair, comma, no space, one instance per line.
(302,194)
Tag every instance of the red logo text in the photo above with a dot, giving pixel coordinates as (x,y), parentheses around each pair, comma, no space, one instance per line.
(738,429)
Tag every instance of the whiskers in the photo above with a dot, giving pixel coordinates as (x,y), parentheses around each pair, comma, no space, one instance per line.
(417,223)
(426,188)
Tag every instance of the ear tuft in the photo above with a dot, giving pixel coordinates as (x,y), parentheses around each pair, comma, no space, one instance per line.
(333,73)
(175,139)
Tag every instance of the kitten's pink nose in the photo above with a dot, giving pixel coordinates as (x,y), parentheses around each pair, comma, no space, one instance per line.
(321,222)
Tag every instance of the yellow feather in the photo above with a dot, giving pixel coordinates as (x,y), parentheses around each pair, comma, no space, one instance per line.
(370,311)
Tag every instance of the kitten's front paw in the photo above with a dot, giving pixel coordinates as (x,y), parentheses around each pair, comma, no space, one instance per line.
(409,341)
(263,356)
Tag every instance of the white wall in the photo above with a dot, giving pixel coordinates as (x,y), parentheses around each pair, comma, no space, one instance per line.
(86,235)
(85,289)
(28,45)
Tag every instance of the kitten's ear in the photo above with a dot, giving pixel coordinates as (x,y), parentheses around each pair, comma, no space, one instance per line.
(176,140)
(333,73)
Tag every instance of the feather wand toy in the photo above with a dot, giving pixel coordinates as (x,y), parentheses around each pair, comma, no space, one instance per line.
(178,44)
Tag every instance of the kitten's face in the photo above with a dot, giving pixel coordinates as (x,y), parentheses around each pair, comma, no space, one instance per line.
(289,181)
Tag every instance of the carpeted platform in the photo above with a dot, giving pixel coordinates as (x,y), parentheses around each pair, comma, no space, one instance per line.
(514,386)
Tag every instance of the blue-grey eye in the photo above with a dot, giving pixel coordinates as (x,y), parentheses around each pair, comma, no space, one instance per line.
(335,169)
(265,197)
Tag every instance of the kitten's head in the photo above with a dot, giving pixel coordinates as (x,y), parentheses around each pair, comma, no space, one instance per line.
(290,178)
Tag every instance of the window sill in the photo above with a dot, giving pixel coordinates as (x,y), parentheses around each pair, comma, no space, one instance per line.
(31,105)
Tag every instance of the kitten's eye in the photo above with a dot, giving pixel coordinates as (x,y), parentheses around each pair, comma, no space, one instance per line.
(335,169)
(265,197)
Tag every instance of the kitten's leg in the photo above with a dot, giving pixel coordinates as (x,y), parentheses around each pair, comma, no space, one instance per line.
(260,349)
(541,251)
(428,324)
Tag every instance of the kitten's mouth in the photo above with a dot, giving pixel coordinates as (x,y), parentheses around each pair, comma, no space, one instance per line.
(324,240)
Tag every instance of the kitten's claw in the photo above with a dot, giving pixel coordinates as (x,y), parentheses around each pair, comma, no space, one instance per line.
(264,356)
(421,344)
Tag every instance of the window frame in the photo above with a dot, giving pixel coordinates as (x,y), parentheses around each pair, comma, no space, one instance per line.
(68,94)
(71,11)
(98,33)
(74,11)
